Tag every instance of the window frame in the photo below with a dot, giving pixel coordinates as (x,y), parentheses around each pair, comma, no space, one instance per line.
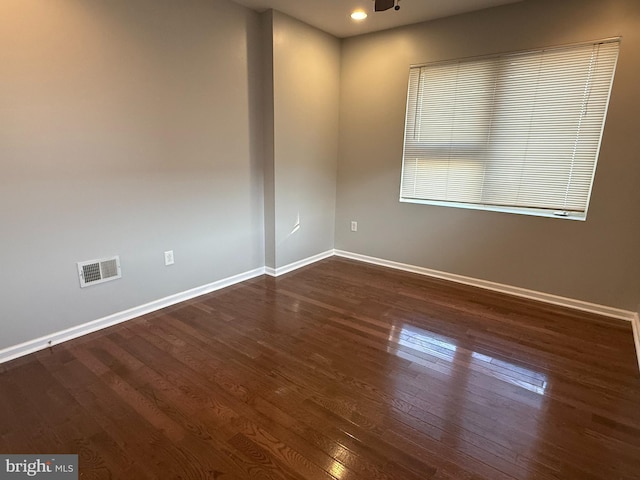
(521,210)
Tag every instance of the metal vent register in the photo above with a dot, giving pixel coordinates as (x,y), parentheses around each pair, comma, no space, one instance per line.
(93,272)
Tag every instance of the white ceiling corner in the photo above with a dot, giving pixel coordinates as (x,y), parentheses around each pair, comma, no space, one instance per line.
(333,16)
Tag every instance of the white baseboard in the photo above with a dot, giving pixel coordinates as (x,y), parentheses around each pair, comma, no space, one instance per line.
(275,272)
(41,343)
(56,338)
(498,287)
(635,324)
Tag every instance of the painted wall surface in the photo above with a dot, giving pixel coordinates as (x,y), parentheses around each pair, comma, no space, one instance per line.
(306,92)
(128,128)
(266,19)
(596,261)
(199,126)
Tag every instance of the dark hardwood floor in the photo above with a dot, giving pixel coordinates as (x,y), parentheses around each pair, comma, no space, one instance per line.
(340,370)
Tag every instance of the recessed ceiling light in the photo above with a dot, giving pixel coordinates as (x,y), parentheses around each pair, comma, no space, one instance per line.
(359,15)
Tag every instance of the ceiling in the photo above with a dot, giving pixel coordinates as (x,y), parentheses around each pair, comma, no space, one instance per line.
(333,16)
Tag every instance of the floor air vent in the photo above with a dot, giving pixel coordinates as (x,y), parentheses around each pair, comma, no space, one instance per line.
(93,272)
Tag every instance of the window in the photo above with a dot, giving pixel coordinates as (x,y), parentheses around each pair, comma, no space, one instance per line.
(518,132)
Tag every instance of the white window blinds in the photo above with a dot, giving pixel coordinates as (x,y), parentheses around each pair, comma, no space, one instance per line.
(517,132)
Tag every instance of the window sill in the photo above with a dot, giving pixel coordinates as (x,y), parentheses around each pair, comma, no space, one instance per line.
(536,212)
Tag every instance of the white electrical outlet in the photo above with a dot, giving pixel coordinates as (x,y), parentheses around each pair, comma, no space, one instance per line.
(168,258)
(354,226)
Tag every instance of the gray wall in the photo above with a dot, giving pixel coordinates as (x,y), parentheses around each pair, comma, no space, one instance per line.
(130,128)
(135,127)
(306,92)
(268,131)
(597,260)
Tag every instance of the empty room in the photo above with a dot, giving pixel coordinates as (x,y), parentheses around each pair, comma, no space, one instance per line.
(320,239)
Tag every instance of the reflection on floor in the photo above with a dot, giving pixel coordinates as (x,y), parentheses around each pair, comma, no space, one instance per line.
(428,346)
